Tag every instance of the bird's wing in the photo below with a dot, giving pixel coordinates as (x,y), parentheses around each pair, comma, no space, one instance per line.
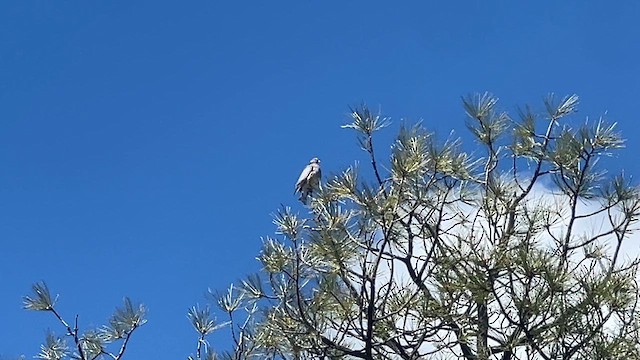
(303,176)
(314,176)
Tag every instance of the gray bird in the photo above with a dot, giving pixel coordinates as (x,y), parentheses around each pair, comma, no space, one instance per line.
(309,180)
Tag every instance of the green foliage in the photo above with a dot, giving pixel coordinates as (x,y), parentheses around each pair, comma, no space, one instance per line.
(452,256)
(54,348)
(41,299)
(204,324)
(92,344)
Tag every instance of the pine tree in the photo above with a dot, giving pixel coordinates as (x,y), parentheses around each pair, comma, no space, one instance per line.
(107,342)
(513,252)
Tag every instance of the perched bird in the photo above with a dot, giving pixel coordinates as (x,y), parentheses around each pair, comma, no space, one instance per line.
(309,180)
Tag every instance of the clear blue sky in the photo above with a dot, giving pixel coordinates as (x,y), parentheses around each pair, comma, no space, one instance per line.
(144,144)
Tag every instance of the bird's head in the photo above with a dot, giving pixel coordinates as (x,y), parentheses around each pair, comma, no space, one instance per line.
(314,161)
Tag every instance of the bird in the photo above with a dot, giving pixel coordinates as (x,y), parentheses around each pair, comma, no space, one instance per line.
(309,180)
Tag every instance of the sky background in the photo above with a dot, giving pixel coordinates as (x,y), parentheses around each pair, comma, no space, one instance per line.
(144,145)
